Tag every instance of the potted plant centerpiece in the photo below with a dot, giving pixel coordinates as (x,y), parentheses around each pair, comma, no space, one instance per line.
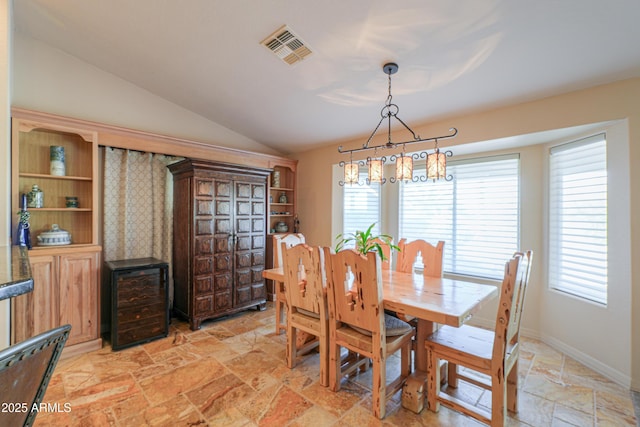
(365,241)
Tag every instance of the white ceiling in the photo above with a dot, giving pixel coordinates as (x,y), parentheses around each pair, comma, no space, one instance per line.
(454,56)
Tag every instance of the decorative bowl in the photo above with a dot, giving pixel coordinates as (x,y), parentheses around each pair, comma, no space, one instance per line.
(55,236)
(282,227)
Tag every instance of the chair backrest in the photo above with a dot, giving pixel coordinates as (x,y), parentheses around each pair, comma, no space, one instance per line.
(512,292)
(303,279)
(25,371)
(386,250)
(290,239)
(519,294)
(431,257)
(354,290)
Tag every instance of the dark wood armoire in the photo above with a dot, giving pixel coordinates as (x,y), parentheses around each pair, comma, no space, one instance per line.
(219,239)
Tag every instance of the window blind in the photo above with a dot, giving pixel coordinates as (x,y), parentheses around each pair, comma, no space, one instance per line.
(578,218)
(361,207)
(475,214)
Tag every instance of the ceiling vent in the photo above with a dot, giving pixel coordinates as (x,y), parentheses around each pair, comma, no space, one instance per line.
(286,45)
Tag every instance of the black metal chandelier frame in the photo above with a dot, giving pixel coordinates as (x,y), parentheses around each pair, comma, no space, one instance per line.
(389,111)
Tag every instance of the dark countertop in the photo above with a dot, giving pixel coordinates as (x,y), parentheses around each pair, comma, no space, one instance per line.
(15,271)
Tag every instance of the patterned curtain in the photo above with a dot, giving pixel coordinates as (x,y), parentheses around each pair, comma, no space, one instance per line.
(138,207)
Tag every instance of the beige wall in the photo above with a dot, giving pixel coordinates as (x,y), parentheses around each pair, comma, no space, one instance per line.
(601,337)
(5,149)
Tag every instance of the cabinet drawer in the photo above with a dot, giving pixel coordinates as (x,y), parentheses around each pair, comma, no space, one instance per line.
(139,288)
(141,331)
(139,314)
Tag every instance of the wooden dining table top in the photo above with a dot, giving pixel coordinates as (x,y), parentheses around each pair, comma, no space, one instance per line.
(440,300)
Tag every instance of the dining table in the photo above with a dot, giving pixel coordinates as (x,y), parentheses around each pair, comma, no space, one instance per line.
(431,300)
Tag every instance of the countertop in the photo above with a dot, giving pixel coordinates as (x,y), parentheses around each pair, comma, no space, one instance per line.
(15,271)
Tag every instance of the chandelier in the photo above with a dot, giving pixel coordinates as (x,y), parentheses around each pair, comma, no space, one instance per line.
(436,162)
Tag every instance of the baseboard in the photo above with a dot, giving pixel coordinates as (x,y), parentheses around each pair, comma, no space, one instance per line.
(591,363)
(588,361)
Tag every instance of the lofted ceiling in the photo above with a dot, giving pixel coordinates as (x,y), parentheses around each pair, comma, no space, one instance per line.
(454,57)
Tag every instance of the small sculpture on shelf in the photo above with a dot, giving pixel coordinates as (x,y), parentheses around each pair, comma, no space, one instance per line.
(283,198)
(23,237)
(296,224)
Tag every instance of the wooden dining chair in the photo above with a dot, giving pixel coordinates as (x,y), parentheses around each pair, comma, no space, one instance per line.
(290,239)
(307,304)
(431,256)
(493,353)
(357,322)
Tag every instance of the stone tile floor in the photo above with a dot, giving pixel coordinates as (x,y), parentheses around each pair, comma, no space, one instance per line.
(232,373)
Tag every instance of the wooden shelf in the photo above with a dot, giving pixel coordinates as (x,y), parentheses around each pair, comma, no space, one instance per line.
(47,176)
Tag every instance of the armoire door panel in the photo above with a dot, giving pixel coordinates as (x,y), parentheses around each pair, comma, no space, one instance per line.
(243,208)
(257,241)
(243,277)
(223,226)
(257,225)
(243,190)
(243,225)
(223,262)
(204,305)
(243,294)
(223,188)
(203,265)
(204,245)
(223,208)
(257,258)
(204,227)
(222,244)
(243,243)
(204,207)
(258,191)
(243,259)
(257,208)
(223,282)
(204,285)
(204,188)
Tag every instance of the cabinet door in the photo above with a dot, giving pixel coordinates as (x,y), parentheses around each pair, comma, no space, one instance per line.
(79,274)
(37,311)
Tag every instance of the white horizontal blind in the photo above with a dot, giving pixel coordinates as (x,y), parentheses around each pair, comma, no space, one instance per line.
(578,218)
(476,214)
(361,206)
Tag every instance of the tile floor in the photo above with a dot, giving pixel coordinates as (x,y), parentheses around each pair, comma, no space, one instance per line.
(232,373)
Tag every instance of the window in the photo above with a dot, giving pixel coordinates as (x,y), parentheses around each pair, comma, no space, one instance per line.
(476,214)
(361,206)
(578,218)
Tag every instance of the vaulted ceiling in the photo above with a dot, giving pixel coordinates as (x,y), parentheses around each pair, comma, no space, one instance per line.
(454,57)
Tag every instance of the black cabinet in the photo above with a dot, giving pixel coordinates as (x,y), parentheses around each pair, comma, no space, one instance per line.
(139,301)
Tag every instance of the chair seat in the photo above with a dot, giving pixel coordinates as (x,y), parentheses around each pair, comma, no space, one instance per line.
(308,313)
(468,339)
(394,327)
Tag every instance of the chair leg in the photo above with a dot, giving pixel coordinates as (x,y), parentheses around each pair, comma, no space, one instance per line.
(281,308)
(433,381)
(335,375)
(405,359)
(324,360)
(292,348)
(379,388)
(452,375)
(512,388)
(498,404)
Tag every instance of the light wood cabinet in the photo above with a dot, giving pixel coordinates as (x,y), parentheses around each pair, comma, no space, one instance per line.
(281,212)
(66,277)
(65,291)
(282,199)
